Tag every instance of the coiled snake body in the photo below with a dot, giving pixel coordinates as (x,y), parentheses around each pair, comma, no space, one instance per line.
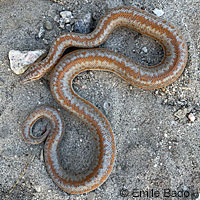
(68,67)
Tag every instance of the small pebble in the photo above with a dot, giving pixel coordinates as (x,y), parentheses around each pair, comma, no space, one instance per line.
(191,117)
(48,25)
(91,73)
(57,19)
(45,41)
(197,108)
(19,60)
(41,32)
(42,155)
(84,25)
(62,23)
(1,82)
(119,167)
(68,27)
(38,188)
(163,89)
(158,12)
(180,114)
(58,1)
(91,196)
(156,92)
(105,105)
(66,16)
(84,87)
(144,49)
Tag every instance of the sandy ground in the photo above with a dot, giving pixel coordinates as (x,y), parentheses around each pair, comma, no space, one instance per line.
(157,148)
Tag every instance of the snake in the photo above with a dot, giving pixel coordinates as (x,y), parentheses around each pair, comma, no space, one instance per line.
(64,68)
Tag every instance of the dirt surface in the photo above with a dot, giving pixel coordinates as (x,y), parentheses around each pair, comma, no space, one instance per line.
(157,146)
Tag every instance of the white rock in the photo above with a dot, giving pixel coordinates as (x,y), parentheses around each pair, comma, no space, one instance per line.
(19,60)
(42,155)
(56,19)
(181,113)
(158,12)
(38,188)
(144,49)
(105,105)
(66,15)
(191,117)
(41,32)
(62,23)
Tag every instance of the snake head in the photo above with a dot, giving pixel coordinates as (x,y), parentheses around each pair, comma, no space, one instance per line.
(33,73)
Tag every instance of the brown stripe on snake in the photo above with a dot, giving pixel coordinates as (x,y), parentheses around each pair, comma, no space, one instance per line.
(69,66)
